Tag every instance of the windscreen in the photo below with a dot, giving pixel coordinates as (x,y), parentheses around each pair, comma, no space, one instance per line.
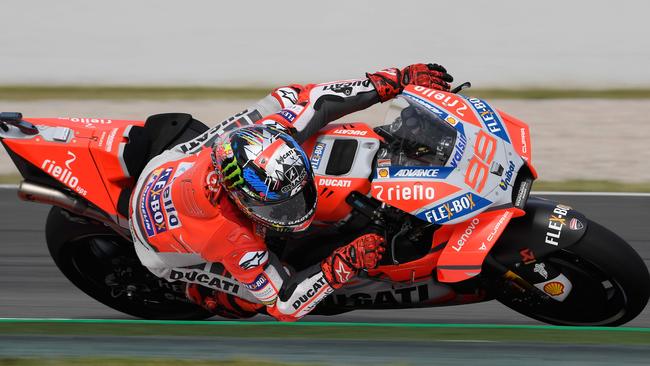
(415,136)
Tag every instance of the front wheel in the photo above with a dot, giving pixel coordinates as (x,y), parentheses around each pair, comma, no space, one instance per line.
(611,284)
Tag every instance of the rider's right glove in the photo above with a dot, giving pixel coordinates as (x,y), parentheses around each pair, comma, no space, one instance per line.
(390,82)
(346,262)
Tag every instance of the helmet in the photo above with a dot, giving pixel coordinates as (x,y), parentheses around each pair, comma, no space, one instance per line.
(268,175)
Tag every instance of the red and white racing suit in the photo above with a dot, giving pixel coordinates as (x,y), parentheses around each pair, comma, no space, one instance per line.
(183,230)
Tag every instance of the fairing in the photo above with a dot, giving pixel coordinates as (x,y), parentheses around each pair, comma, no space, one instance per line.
(83,154)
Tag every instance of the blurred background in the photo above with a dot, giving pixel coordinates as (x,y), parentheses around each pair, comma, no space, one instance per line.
(556,44)
(576,71)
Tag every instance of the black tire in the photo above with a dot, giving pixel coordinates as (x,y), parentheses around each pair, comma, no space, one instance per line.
(104,265)
(611,284)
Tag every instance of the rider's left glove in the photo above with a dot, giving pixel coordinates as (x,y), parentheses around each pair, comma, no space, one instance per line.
(346,262)
(390,82)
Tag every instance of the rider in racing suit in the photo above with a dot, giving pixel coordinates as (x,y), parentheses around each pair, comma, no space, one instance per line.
(185,229)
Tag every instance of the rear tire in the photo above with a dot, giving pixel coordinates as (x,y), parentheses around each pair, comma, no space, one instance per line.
(611,284)
(104,265)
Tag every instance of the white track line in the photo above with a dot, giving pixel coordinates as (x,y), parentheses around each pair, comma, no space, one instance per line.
(544,193)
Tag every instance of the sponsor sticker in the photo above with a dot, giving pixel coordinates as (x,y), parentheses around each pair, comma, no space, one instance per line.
(575,224)
(154,204)
(317,154)
(405,192)
(414,172)
(383,162)
(507,180)
(258,284)
(315,288)
(290,113)
(540,268)
(346,88)
(469,230)
(288,96)
(489,117)
(64,173)
(147,220)
(394,296)
(332,182)
(557,288)
(527,256)
(556,222)
(434,109)
(261,289)
(88,122)
(171,215)
(554,288)
(459,149)
(449,101)
(454,208)
(451,120)
(343,131)
(254,259)
(205,278)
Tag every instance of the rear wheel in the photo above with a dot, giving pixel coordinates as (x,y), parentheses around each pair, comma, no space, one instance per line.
(104,265)
(611,284)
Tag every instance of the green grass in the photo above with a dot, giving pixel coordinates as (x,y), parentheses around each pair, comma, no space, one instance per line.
(72,92)
(591,186)
(10,178)
(417,332)
(84,361)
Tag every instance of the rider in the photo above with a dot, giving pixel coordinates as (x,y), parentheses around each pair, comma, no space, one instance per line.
(200,211)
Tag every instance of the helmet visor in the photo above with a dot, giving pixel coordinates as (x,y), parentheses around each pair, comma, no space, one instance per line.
(293,212)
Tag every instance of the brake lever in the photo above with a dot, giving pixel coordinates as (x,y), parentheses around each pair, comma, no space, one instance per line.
(459,88)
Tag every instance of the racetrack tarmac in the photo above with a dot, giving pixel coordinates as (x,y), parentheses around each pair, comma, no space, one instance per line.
(31,285)
(319,351)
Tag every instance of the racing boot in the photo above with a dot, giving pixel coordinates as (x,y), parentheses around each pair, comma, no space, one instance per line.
(346,262)
(221,303)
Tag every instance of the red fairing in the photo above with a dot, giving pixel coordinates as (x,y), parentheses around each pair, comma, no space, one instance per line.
(84,154)
(333,190)
(520,135)
(470,242)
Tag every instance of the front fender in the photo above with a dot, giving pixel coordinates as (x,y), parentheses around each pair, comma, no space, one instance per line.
(547,227)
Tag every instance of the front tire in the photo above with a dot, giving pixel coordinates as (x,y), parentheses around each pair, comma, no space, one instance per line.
(104,265)
(611,284)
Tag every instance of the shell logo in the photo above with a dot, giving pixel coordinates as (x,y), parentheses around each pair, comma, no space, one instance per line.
(383,173)
(451,120)
(554,288)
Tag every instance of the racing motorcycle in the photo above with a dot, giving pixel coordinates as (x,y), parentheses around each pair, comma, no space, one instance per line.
(446,178)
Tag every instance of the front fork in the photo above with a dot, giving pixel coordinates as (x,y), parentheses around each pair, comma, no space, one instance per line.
(538,281)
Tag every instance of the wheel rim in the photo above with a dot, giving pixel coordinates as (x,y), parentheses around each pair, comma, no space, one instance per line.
(595,299)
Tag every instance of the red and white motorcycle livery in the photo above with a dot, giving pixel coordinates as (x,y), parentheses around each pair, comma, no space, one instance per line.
(447,178)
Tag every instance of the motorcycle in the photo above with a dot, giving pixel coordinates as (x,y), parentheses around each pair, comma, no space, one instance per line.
(447,178)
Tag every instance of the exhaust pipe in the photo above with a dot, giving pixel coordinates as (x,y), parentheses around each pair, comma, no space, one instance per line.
(32,192)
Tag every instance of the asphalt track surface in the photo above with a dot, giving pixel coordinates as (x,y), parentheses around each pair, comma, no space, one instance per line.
(31,285)
(349,352)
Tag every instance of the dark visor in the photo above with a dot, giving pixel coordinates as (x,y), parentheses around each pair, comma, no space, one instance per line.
(289,212)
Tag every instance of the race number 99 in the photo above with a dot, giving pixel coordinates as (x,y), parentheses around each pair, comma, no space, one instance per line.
(479,167)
